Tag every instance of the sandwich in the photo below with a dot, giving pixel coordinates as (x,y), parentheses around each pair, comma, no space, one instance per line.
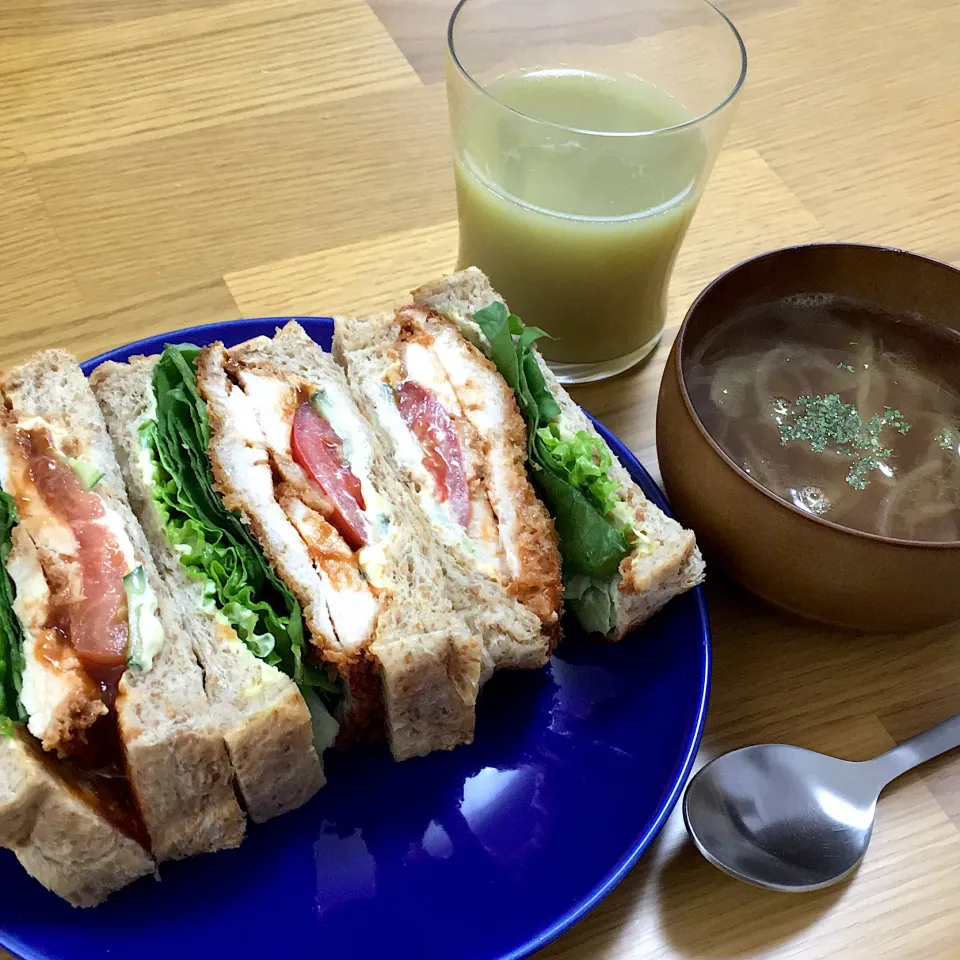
(623,558)
(452,427)
(295,457)
(380,631)
(110,760)
(59,834)
(217,562)
(244,624)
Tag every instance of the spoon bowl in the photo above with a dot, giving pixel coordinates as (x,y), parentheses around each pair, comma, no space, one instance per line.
(791,819)
(781,817)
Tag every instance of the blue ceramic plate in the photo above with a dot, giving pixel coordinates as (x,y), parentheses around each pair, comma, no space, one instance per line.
(486,852)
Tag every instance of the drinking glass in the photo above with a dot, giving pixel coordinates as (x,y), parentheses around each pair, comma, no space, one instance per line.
(584,132)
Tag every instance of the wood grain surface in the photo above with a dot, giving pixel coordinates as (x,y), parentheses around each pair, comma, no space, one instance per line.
(171,162)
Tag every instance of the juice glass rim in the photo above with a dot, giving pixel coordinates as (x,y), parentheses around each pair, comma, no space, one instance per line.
(694,121)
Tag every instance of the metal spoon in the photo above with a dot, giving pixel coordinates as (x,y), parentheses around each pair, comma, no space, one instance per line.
(790,819)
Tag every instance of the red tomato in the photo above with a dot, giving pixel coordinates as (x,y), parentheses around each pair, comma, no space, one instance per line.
(442,453)
(318,449)
(97,624)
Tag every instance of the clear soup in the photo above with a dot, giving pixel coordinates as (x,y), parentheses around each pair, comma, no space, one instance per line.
(847,412)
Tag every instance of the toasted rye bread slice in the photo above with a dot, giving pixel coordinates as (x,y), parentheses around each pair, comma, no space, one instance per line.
(60,840)
(176,760)
(371,352)
(647,581)
(426,659)
(259,710)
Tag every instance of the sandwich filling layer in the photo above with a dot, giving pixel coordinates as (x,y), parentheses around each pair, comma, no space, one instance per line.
(440,451)
(317,464)
(215,547)
(11,634)
(457,435)
(598,527)
(311,483)
(86,610)
(76,613)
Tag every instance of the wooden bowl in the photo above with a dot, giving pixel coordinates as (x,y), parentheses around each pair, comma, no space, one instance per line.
(796,561)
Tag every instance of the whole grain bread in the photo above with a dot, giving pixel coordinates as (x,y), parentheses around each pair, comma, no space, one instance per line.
(176,759)
(62,841)
(647,580)
(370,350)
(258,710)
(427,659)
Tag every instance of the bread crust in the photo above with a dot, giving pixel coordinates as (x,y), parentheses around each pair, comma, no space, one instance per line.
(272,751)
(439,673)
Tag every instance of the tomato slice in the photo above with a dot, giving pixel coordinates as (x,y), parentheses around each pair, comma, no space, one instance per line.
(317,448)
(97,623)
(430,423)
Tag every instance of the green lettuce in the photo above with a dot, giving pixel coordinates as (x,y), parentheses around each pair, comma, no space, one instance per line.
(584,461)
(593,601)
(11,635)
(215,546)
(571,472)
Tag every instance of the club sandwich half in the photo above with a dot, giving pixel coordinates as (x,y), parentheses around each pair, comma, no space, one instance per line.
(452,427)
(245,625)
(623,558)
(110,760)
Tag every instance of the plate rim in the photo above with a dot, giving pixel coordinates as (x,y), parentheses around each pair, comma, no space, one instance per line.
(682,770)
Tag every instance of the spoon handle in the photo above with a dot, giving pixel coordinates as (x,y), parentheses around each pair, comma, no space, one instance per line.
(919,749)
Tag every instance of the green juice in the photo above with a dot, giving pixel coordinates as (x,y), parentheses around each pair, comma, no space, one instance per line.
(578,231)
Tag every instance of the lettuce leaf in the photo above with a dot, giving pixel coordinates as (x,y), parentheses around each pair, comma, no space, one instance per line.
(215,546)
(571,474)
(11,634)
(584,462)
(589,544)
(592,601)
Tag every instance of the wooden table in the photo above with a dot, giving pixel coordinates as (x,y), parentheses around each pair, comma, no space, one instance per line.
(170,162)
